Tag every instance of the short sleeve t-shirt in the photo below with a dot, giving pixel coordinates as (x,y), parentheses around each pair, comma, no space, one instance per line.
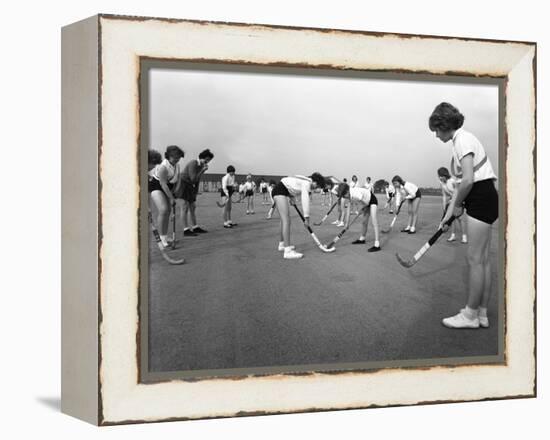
(360,195)
(465,143)
(172,171)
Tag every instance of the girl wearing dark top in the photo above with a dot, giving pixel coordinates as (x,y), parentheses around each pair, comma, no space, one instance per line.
(189,187)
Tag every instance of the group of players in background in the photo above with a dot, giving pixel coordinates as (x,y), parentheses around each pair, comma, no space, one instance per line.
(469,186)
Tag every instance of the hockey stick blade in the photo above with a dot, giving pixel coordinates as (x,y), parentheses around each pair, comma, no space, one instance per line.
(404,263)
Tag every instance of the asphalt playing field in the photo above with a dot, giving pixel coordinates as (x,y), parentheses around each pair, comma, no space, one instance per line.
(237,303)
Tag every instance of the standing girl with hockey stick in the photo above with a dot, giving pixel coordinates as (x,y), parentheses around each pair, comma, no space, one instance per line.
(190,178)
(270,187)
(228,186)
(369,206)
(448,190)
(284,194)
(353,184)
(163,180)
(408,191)
(477,191)
(263,191)
(249,188)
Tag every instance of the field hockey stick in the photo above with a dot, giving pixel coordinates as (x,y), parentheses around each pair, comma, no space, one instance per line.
(327,214)
(386,230)
(423,249)
(315,239)
(160,245)
(339,236)
(174,225)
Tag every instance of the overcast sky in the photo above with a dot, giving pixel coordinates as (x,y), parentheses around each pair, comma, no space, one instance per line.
(291,124)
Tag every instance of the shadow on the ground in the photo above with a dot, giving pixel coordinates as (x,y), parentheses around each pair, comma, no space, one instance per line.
(53,403)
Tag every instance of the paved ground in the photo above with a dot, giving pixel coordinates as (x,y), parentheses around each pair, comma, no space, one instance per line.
(237,303)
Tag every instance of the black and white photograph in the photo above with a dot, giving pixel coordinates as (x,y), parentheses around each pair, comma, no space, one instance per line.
(318,220)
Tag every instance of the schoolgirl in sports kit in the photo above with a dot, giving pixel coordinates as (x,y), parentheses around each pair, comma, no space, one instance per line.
(249,187)
(228,187)
(390,195)
(284,193)
(354,184)
(163,180)
(369,206)
(334,184)
(408,191)
(270,187)
(477,192)
(448,190)
(263,191)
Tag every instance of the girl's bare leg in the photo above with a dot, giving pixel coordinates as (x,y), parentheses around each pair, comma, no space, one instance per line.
(283,206)
(163,211)
(374,217)
(414,205)
(478,262)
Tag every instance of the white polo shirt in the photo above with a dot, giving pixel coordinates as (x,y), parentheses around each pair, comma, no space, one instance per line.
(299,186)
(172,171)
(465,143)
(449,186)
(358,194)
(227,181)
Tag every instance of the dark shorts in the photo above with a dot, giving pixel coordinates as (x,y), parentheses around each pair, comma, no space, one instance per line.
(481,202)
(230,190)
(154,185)
(373,200)
(188,191)
(280,190)
(391,196)
(249,193)
(418,194)
(264,190)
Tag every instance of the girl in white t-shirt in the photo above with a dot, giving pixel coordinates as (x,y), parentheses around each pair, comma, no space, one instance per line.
(411,193)
(249,188)
(227,189)
(284,194)
(477,194)
(369,206)
(390,196)
(263,191)
(354,184)
(163,182)
(448,191)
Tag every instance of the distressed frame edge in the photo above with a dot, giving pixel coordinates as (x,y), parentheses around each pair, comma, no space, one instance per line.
(80,301)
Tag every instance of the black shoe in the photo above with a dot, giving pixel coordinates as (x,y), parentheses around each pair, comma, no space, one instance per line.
(199,230)
(411,232)
(189,233)
(374,249)
(405,230)
(358,241)
(227,226)
(391,212)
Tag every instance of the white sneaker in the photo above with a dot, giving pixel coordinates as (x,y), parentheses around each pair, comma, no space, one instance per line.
(460,321)
(483,320)
(335,222)
(451,238)
(281,247)
(464,239)
(291,254)
(340,224)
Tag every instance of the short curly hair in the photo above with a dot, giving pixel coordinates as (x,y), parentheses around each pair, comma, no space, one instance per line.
(398,178)
(154,157)
(206,154)
(173,151)
(446,117)
(443,172)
